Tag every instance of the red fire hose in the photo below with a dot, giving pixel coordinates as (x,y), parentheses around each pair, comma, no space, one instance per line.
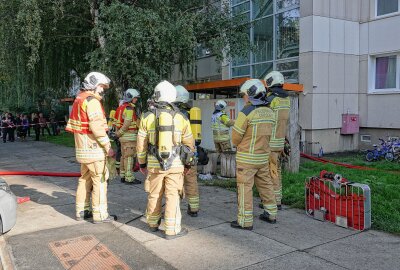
(322,160)
(40,173)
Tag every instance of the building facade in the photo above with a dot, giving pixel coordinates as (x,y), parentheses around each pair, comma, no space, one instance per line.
(346,53)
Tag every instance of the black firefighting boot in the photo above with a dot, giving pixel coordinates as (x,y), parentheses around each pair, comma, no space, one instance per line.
(267,218)
(122,179)
(84,215)
(134,182)
(154,229)
(235,224)
(192,213)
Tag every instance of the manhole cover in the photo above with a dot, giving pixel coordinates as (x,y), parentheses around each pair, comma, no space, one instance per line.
(86,252)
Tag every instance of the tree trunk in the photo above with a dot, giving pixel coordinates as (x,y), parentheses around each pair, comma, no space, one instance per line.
(294,135)
(94,10)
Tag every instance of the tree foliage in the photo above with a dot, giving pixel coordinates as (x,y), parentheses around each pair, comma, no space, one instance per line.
(135,42)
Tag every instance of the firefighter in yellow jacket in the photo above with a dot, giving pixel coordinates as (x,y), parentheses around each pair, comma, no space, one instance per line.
(127,128)
(279,102)
(251,134)
(220,124)
(190,179)
(164,144)
(92,146)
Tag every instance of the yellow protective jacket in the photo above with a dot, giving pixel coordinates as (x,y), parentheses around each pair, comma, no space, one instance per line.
(127,123)
(251,135)
(91,145)
(281,108)
(146,135)
(220,124)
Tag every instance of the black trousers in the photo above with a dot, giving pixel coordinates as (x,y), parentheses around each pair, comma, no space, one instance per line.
(37,134)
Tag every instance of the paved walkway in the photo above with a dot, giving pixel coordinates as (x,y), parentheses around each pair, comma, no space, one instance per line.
(295,242)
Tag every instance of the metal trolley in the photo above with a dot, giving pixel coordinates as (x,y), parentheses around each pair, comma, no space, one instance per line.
(333,198)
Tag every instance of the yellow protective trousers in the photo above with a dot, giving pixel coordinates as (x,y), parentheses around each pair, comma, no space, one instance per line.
(246,177)
(223,146)
(92,186)
(192,189)
(276,175)
(128,152)
(169,184)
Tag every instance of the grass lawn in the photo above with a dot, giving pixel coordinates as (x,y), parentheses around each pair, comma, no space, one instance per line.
(384,184)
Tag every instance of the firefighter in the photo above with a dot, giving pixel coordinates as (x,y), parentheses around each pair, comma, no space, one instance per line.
(279,102)
(190,179)
(165,148)
(127,127)
(251,134)
(92,146)
(112,126)
(118,155)
(220,127)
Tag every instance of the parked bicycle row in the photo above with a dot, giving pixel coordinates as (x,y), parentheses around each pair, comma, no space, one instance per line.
(388,150)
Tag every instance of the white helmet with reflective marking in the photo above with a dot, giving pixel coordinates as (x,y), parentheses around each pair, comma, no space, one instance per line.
(220,105)
(131,94)
(252,88)
(94,79)
(274,78)
(165,92)
(182,95)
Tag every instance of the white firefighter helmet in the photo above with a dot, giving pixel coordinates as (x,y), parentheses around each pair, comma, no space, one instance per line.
(131,94)
(274,78)
(220,105)
(94,79)
(182,95)
(165,92)
(252,88)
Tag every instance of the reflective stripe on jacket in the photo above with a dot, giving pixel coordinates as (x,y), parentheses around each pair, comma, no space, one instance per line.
(78,120)
(251,134)
(89,125)
(281,108)
(127,122)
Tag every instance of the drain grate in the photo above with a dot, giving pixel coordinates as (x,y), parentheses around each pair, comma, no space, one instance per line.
(86,252)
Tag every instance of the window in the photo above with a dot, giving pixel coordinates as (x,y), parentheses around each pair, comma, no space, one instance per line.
(385,73)
(366,138)
(263,40)
(274,35)
(384,7)
(287,33)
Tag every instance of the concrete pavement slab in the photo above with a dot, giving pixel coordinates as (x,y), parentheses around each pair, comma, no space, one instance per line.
(297,230)
(31,251)
(217,247)
(32,217)
(366,250)
(295,260)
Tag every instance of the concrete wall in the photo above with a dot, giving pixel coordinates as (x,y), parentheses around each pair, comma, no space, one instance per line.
(375,134)
(377,36)
(329,70)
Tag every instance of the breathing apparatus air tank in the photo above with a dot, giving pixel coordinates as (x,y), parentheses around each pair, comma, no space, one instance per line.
(111,119)
(165,134)
(195,124)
